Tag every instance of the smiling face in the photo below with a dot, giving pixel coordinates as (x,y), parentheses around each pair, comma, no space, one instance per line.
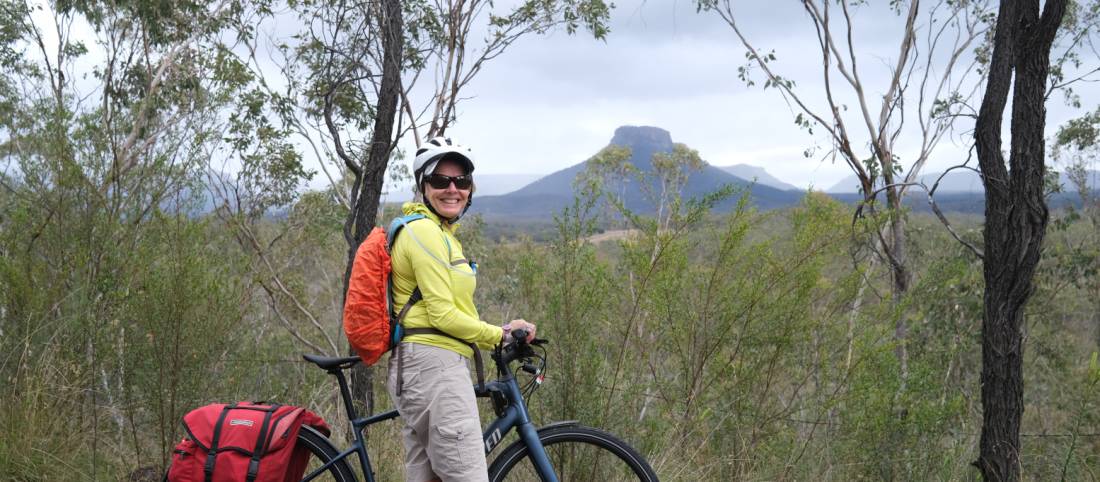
(448,202)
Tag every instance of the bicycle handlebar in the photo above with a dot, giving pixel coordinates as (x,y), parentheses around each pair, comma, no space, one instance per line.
(518,348)
(519,336)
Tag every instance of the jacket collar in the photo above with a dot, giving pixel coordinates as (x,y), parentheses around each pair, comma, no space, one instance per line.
(419,208)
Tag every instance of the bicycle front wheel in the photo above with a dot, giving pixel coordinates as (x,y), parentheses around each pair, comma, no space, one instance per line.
(577,454)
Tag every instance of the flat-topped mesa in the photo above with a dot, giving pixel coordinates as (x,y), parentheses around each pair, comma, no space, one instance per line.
(549,194)
(650,138)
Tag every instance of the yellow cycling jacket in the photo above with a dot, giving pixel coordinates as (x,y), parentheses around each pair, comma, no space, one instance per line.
(427,254)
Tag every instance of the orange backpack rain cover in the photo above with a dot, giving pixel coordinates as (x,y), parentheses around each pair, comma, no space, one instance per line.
(367,308)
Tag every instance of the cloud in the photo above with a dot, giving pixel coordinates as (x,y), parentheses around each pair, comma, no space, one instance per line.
(552,101)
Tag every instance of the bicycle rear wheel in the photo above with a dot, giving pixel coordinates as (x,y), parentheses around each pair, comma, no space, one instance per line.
(322,452)
(577,454)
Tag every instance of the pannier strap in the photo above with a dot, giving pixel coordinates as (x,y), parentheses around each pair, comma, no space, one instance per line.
(212,455)
(254,464)
(478,362)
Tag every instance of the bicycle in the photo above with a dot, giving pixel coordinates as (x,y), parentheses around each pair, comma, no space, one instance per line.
(561,451)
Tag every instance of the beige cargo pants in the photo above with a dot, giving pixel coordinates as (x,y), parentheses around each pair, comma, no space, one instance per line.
(442,431)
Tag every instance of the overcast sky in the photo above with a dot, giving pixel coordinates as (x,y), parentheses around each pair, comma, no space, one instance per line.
(552,101)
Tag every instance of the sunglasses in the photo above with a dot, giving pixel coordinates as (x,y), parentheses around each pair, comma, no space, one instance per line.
(439,181)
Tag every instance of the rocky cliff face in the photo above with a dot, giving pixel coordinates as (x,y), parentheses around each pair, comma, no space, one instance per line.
(657,137)
(644,142)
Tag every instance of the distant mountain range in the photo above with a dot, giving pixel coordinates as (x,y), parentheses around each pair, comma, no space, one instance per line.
(537,198)
(551,193)
(957,181)
(518,195)
(960,181)
(759,175)
(959,190)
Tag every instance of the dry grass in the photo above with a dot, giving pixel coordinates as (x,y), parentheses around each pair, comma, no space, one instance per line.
(612,235)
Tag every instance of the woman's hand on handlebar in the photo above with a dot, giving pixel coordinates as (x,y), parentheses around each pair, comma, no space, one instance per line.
(521,325)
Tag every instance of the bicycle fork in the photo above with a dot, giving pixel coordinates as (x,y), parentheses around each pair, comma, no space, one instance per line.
(516,416)
(530,436)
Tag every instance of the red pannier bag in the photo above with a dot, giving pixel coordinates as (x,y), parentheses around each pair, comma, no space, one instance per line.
(243,442)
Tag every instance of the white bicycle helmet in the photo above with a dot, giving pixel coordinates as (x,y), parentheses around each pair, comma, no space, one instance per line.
(427,158)
(435,150)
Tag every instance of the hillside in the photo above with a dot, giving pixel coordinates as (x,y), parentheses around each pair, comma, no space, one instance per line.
(553,192)
(961,181)
(758,174)
(959,191)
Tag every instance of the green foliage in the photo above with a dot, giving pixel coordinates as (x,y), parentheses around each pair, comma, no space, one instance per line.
(118,309)
(1077,35)
(733,346)
(1079,134)
(107,320)
(726,347)
(744,346)
(542,14)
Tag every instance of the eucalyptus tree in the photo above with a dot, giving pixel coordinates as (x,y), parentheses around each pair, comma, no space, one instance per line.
(868,122)
(353,78)
(886,132)
(1016,217)
(337,82)
(107,112)
(1077,145)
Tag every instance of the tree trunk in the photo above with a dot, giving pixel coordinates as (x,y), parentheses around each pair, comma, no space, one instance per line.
(369,187)
(1016,218)
(892,242)
(899,269)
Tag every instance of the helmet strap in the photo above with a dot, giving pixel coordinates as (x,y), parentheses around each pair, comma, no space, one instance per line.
(449,220)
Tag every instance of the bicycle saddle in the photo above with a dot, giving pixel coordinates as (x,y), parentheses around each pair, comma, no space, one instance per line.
(332,363)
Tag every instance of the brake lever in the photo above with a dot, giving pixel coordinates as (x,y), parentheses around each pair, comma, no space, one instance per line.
(538,342)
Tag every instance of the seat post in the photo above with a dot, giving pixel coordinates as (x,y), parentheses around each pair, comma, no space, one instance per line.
(345,393)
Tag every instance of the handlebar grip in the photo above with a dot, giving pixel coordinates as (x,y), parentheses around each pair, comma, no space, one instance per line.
(519,335)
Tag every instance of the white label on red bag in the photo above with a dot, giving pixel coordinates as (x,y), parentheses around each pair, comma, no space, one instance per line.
(247,423)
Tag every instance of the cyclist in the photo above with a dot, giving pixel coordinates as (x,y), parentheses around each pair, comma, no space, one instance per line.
(429,370)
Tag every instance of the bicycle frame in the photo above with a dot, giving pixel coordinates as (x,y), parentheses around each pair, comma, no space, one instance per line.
(515,415)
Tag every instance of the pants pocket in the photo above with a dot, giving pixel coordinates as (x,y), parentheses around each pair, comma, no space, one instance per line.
(458,448)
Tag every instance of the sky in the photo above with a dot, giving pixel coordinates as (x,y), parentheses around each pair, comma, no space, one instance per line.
(552,101)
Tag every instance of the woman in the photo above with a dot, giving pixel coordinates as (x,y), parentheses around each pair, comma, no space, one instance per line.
(429,371)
